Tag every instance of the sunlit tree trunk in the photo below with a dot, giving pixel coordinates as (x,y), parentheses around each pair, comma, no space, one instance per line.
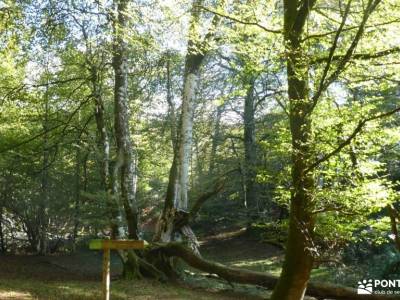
(175,213)
(186,135)
(300,249)
(171,105)
(124,173)
(125,158)
(177,193)
(298,256)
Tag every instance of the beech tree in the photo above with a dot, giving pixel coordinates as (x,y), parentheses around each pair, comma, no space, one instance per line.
(302,102)
(176,201)
(125,165)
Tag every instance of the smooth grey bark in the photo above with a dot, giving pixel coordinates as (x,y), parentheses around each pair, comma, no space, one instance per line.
(197,50)
(250,148)
(125,164)
(171,105)
(177,198)
(177,194)
(124,173)
(186,136)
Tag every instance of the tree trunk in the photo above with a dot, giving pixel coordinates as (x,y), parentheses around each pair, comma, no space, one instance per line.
(44,197)
(32,230)
(104,150)
(241,171)
(177,193)
(125,176)
(215,139)
(125,159)
(80,185)
(393,214)
(186,134)
(77,193)
(250,155)
(2,241)
(3,200)
(171,105)
(298,262)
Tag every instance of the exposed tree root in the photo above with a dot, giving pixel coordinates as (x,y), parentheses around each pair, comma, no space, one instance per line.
(319,291)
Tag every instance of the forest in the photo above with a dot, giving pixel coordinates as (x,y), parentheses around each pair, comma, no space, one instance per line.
(227,149)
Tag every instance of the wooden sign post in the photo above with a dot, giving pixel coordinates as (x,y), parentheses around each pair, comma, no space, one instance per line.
(106,246)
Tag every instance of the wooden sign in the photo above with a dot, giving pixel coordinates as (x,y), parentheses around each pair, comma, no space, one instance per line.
(117,244)
(106,246)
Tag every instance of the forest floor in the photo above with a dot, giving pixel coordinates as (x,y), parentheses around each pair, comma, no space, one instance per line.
(77,276)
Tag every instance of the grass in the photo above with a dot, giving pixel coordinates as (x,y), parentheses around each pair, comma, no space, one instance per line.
(87,290)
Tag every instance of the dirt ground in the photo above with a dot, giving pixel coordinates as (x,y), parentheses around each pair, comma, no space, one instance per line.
(78,276)
(234,246)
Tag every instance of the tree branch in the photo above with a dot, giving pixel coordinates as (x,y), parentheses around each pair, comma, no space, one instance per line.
(65,124)
(372,4)
(240,21)
(359,56)
(204,197)
(332,52)
(321,35)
